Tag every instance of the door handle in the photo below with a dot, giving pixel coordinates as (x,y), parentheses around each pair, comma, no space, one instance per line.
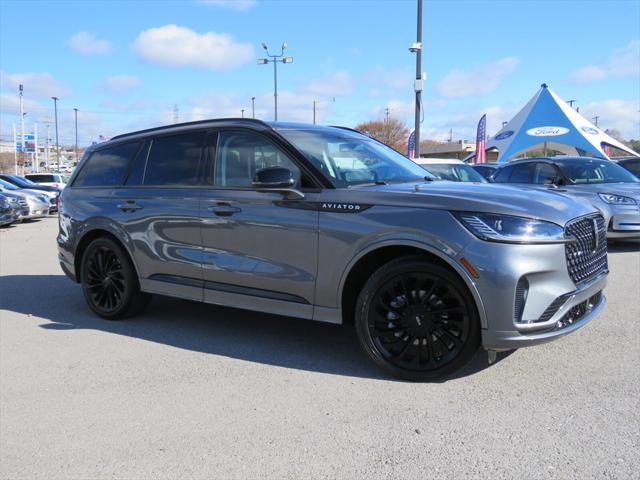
(129,206)
(223,209)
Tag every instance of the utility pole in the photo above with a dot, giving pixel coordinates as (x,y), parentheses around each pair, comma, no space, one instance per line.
(55,110)
(417,49)
(275,59)
(22,143)
(253,107)
(387,129)
(75,112)
(596,119)
(314,112)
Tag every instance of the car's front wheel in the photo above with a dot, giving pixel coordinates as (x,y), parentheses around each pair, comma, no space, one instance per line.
(417,320)
(109,281)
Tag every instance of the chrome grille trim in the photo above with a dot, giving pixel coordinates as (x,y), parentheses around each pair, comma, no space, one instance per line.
(587,255)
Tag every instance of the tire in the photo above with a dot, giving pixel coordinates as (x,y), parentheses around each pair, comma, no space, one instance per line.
(109,281)
(417,320)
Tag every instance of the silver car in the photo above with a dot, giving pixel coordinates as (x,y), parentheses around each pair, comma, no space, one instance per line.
(326,224)
(614,191)
(34,204)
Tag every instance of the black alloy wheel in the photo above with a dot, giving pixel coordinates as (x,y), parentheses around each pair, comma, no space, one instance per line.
(109,281)
(417,320)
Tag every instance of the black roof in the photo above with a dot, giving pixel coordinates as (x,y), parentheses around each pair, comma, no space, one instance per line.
(204,123)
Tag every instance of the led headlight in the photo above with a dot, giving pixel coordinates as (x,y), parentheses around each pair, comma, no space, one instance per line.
(509,229)
(614,199)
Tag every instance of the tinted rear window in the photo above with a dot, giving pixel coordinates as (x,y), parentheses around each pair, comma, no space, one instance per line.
(42,178)
(174,159)
(107,167)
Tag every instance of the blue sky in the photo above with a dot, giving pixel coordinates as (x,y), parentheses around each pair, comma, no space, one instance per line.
(125,65)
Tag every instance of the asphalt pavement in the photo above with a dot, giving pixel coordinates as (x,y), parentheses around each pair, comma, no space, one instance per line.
(195,391)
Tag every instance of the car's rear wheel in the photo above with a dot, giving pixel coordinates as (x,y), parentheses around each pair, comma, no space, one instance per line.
(417,320)
(109,281)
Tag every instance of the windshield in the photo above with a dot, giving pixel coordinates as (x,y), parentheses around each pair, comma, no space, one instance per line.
(7,185)
(595,171)
(453,172)
(348,158)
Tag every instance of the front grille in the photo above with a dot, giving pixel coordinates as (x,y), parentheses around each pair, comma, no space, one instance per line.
(587,256)
(553,308)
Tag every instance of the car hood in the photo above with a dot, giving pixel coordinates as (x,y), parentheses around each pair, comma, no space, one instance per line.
(553,206)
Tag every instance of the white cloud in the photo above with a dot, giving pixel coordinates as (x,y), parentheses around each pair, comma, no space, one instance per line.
(86,43)
(478,80)
(39,85)
(240,5)
(621,115)
(120,83)
(332,85)
(386,79)
(174,46)
(622,62)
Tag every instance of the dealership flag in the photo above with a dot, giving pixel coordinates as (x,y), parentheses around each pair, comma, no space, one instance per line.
(481,138)
(411,145)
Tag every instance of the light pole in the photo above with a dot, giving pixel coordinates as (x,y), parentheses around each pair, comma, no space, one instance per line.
(55,110)
(275,59)
(75,112)
(242,112)
(417,49)
(596,119)
(253,107)
(314,112)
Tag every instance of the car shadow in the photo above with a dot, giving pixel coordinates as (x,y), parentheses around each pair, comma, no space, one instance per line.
(251,336)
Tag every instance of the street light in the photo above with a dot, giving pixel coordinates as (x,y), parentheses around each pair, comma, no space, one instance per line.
(419,79)
(242,112)
(55,109)
(75,111)
(275,59)
(253,107)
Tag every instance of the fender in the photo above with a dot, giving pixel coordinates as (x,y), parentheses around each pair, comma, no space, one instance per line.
(412,242)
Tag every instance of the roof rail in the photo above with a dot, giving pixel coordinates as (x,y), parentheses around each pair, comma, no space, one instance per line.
(185,124)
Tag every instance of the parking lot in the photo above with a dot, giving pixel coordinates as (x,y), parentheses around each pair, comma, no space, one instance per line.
(196,391)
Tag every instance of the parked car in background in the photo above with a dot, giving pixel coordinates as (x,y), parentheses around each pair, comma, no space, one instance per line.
(22,183)
(326,224)
(631,164)
(8,213)
(56,180)
(34,203)
(450,169)
(613,190)
(486,169)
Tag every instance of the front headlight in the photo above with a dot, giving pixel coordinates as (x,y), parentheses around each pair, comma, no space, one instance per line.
(509,229)
(614,199)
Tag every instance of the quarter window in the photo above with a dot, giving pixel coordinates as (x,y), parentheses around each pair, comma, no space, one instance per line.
(107,167)
(174,159)
(241,154)
(545,174)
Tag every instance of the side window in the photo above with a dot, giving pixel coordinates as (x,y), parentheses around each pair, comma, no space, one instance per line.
(521,173)
(107,167)
(241,154)
(174,159)
(545,174)
(502,175)
(136,172)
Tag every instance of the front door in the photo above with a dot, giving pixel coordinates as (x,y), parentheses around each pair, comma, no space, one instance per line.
(259,249)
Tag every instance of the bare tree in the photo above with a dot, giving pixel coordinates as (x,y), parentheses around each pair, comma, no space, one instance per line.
(392,132)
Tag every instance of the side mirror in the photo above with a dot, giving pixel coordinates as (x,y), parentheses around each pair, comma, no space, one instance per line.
(277,179)
(273,178)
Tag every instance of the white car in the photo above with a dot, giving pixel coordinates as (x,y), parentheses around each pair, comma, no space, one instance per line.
(34,203)
(450,169)
(50,179)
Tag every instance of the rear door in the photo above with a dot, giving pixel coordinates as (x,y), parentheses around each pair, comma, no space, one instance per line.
(260,249)
(159,208)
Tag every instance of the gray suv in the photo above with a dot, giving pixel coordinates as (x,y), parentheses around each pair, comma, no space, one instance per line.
(323,223)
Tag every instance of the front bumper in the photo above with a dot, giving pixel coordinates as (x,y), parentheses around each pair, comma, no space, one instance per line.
(623,221)
(558,325)
(549,308)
